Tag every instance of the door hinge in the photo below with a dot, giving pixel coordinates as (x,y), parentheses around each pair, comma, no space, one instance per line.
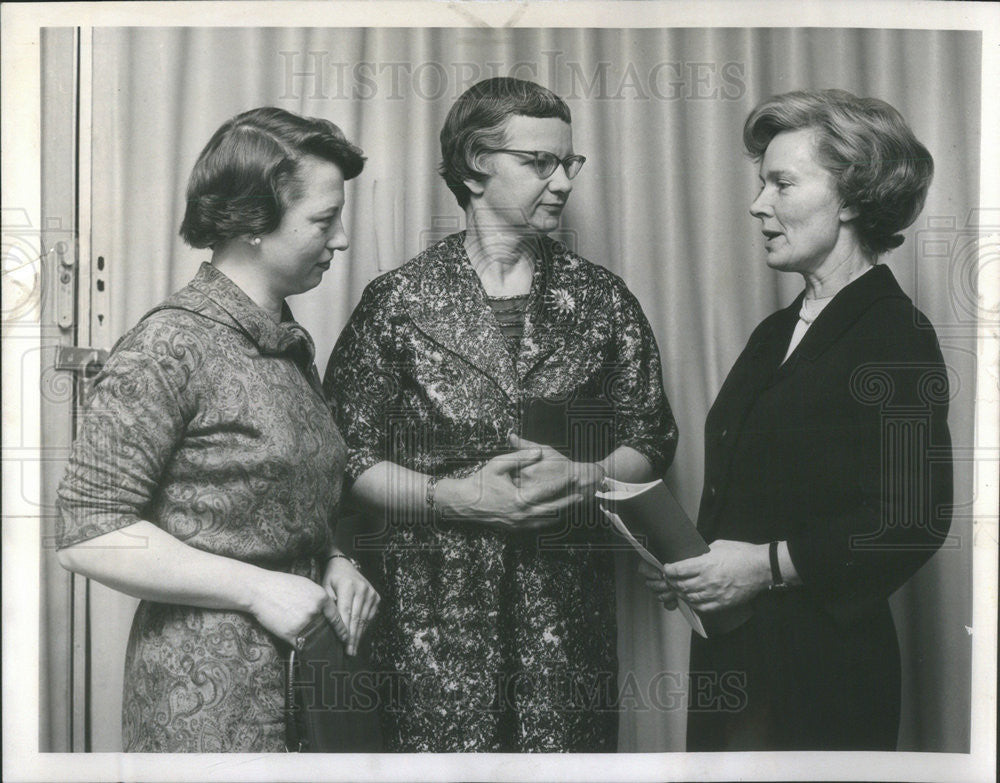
(81,359)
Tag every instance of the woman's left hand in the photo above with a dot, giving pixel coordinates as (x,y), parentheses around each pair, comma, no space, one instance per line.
(656,582)
(731,573)
(357,601)
(588,476)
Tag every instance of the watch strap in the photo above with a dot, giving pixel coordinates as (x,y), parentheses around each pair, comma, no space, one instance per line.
(777,580)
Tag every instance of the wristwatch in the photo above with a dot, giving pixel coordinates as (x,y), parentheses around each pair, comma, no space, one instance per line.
(429,490)
(777,580)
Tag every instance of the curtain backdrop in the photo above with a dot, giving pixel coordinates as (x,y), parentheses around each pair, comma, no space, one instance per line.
(662,201)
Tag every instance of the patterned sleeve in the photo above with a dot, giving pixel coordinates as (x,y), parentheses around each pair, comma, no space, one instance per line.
(132,422)
(360,382)
(644,421)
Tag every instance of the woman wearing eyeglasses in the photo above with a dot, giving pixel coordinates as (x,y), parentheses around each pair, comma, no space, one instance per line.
(498,614)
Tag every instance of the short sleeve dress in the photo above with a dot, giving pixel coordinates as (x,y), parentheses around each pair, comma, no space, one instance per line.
(208,420)
(485,640)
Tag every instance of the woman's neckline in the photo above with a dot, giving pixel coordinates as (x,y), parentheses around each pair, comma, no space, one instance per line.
(519,278)
(812,307)
(507,298)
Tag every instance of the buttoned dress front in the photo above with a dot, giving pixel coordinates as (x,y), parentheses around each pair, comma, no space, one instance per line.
(208,420)
(486,640)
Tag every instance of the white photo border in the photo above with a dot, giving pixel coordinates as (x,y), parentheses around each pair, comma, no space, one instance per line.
(21,26)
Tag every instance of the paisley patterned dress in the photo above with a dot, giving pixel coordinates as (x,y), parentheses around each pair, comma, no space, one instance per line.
(209,421)
(485,640)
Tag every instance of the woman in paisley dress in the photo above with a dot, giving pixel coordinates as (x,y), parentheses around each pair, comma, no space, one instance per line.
(497,630)
(206,471)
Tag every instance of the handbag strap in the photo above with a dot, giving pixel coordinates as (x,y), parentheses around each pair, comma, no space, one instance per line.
(294,741)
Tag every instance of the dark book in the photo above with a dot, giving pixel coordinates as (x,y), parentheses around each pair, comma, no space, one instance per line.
(655,523)
(655,519)
(582,429)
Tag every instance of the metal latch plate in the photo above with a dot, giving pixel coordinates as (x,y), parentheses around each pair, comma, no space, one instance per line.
(81,359)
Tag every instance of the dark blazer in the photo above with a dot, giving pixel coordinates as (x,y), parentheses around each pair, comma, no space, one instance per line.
(843,450)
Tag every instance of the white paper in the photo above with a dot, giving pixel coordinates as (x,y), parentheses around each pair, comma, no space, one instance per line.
(689,614)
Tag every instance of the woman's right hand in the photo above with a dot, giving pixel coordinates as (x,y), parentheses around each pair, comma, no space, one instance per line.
(285,604)
(657,582)
(490,497)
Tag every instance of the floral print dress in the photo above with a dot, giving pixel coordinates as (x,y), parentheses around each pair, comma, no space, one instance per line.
(208,420)
(487,640)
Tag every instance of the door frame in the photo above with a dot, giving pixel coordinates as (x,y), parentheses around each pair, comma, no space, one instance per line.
(65,320)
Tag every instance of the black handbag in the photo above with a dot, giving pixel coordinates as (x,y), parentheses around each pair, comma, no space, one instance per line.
(331,698)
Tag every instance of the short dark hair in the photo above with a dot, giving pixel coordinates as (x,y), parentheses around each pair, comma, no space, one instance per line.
(882,171)
(247,175)
(476,122)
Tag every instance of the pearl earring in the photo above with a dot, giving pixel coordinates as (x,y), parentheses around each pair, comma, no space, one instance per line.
(255,241)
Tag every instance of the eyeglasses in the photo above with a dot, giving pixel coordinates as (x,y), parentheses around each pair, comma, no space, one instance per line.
(546,162)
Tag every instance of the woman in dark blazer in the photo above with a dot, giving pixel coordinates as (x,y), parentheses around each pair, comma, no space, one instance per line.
(827,459)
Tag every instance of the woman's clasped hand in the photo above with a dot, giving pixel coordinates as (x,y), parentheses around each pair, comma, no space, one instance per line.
(522,490)
(552,467)
(285,603)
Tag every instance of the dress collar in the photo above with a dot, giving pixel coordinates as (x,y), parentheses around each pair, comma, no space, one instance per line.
(447,302)
(845,307)
(285,338)
(811,308)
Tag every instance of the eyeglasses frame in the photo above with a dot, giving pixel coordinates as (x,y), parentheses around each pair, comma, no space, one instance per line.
(564,162)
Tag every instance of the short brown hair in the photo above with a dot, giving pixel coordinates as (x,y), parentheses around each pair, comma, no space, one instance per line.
(247,175)
(476,122)
(882,171)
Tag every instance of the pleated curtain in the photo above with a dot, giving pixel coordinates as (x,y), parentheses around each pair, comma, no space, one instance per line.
(662,202)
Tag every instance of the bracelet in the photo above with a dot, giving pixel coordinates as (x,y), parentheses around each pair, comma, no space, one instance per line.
(349,559)
(777,580)
(432,482)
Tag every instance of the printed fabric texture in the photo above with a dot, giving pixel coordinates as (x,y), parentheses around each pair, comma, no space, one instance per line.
(487,640)
(209,421)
